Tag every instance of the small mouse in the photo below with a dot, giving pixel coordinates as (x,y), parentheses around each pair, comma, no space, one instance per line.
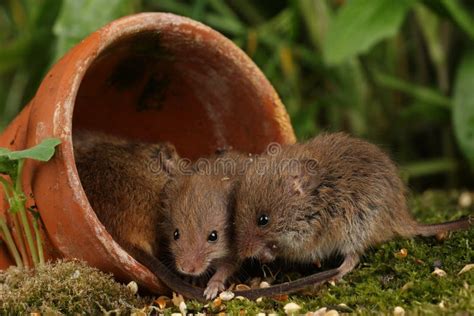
(198,222)
(123,180)
(121,186)
(334,194)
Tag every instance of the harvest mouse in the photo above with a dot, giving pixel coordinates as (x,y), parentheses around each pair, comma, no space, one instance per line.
(123,181)
(345,196)
(121,186)
(198,222)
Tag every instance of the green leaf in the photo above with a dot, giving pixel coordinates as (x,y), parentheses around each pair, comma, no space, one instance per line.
(7,166)
(79,18)
(360,24)
(460,15)
(421,93)
(42,152)
(463,116)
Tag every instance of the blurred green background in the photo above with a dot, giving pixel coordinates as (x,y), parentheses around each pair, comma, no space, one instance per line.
(397,72)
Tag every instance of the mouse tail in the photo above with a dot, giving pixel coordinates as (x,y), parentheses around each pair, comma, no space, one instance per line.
(435,229)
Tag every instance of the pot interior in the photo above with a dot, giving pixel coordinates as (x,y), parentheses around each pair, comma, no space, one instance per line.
(182,87)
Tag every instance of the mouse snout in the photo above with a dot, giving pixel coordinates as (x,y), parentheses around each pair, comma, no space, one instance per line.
(249,248)
(191,266)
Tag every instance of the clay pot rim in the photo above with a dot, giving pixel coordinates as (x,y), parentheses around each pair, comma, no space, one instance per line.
(113,33)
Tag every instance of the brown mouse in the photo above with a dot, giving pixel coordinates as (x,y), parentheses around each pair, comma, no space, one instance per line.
(121,185)
(198,224)
(334,194)
(123,181)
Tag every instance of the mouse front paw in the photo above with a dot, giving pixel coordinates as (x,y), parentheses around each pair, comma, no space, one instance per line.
(213,287)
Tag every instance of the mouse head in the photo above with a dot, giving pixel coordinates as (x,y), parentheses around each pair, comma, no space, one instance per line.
(270,209)
(197,212)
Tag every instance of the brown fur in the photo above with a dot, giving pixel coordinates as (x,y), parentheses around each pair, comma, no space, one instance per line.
(123,184)
(123,181)
(124,187)
(354,199)
(198,204)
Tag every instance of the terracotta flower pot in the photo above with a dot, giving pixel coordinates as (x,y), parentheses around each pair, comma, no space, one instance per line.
(150,76)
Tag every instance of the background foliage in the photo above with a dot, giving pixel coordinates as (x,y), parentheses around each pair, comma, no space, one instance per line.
(399,73)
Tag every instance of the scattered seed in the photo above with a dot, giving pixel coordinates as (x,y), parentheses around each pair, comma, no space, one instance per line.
(281,298)
(398,311)
(402,253)
(441,305)
(291,308)
(162,301)
(177,299)
(133,287)
(442,236)
(240,298)
(261,314)
(226,295)
(466,268)
(332,312)
(76,274)
(264,284)
(419,261)
(320,312)
(259,300)
(407,286)
(183,308)
(465,199)
(217,302)
(242,287)
(439,272)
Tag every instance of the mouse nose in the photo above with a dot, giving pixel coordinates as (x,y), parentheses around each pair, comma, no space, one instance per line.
(190,267)
(247,250)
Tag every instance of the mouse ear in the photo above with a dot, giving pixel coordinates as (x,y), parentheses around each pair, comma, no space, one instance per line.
(304,177)
(164,157)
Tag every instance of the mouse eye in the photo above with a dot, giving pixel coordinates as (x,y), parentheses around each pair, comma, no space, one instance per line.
(176,234)
(262,220)
(212,236)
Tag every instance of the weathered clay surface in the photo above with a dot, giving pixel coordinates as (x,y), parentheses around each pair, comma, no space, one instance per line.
(154,77)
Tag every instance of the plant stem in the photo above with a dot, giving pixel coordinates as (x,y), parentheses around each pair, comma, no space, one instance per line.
(7,187)
(21,239)
(10,243)
(39,243)
(18,195)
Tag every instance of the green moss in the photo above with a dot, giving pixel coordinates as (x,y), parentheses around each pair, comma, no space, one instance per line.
(63,288)
(380,283)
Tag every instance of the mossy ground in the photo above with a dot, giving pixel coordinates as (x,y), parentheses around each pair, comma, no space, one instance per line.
(381,282)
